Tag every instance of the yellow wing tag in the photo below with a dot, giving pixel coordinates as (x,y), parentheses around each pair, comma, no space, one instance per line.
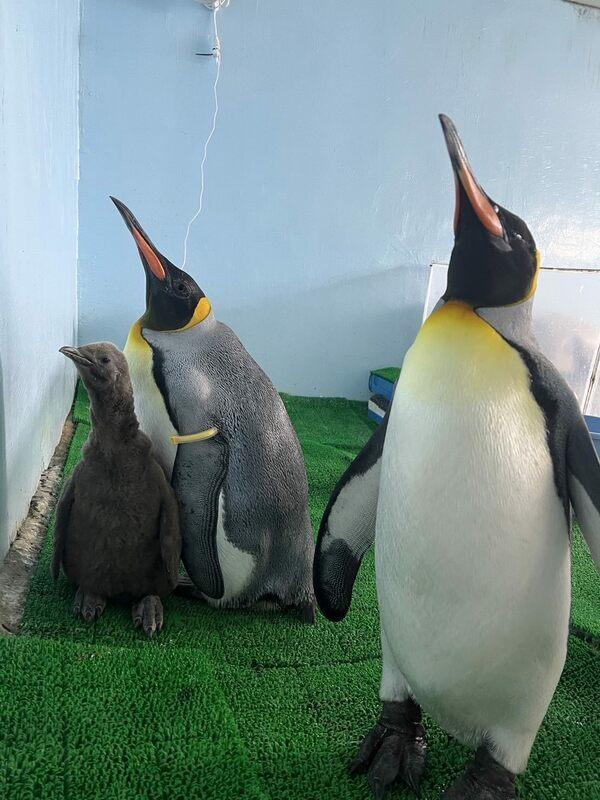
(195,437)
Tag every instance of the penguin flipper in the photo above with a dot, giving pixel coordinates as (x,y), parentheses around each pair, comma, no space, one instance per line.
(584,484)
(576,466)
(198,474)
(61,524)
(348,529)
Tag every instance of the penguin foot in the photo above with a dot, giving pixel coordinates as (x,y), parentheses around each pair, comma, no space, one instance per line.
(148,614)
(308,613)
(395,749)
(89,606)
(484,779)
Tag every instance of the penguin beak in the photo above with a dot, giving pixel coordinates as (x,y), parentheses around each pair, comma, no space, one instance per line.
(76,355)
(153,261)
(467,188)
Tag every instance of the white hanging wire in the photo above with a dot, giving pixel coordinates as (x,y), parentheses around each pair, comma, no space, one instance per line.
(217,54)
(210,4)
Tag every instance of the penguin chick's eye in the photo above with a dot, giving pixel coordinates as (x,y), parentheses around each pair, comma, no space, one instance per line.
(105,360)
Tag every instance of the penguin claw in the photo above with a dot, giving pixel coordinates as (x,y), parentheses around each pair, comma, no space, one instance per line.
(148,614)
(88,606)
(412,774)
(77,605)
(394,749)
(370,745)
(379,789)
(387,765)
(484,779)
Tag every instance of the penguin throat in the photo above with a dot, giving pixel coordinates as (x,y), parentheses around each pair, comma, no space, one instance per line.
(534,281)
(201,312)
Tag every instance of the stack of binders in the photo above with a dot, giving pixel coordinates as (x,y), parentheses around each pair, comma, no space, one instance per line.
(381,386)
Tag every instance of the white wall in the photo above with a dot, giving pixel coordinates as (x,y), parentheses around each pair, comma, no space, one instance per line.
(38,240)
(328,190)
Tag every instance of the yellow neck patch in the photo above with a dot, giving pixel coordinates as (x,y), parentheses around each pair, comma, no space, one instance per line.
(458,320)
(139,356)
(201,312)
(458,358)
(455,347)
(135,340)
(534,282)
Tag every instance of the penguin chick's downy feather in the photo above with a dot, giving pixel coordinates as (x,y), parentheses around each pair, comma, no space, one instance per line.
(117,524)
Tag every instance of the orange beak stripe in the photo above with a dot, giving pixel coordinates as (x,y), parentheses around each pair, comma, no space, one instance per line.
(152,259)
(481,205)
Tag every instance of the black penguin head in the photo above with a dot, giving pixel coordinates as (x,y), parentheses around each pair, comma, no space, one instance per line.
(173,298)
(103,369)
(494,261)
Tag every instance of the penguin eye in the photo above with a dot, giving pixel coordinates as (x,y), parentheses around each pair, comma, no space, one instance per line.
(518,236)
(182,289)
(105,360)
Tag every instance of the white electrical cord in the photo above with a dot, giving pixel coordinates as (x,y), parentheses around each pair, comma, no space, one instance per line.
(216,5)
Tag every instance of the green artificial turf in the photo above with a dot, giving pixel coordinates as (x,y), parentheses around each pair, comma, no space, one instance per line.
(227,705)
(387,373)
(585,609)
(81,407)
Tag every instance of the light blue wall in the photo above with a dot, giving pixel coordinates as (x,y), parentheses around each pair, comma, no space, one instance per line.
(38,240)
(328,187)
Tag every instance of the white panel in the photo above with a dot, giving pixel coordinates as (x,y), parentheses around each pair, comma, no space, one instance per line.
(592,404)
(566,321)
(593,3)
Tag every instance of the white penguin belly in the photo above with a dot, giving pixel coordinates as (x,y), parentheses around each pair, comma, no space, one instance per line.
(472,548)
(149,403)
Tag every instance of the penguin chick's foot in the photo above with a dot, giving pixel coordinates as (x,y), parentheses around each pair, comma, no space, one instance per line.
(89,606)
(148,614)
(308,613)
(484,779)
(395,749)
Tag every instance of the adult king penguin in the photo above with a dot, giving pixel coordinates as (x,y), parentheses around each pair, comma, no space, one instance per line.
(221,432)
(466,490)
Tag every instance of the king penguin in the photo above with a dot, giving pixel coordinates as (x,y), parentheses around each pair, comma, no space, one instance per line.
(222,435)
(466,490)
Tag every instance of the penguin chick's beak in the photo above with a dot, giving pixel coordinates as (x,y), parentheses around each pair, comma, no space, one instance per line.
(465,180)
(151,258)
(74,354)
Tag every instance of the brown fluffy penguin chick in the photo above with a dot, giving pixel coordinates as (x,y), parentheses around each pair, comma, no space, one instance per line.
(117,522)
